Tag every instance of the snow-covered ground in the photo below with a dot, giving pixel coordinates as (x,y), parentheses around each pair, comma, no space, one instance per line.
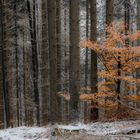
(25,133)
(98,129)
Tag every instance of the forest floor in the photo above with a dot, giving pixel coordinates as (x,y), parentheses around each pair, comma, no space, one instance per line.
(117,130)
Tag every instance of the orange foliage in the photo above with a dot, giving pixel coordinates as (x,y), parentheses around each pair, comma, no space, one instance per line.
(118,62)
(132,97)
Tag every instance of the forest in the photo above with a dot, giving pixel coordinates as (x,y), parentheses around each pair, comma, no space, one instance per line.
(69,61)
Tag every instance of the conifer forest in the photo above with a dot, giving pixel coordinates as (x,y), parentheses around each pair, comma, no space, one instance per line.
(69,61)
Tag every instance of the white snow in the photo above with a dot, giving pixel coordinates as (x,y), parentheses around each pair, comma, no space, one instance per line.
(100,128)
(44,133)
(25,133)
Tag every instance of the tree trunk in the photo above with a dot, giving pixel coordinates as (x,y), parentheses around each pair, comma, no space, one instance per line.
(127,28)
(4,111)
(138,43)
(127,17)
(53,116)
(109,12)
(87,50)
(44,65)
(109,20)
(9,37)
(86,110)
(74,60)
(32,24)
(58,42)
(94,70)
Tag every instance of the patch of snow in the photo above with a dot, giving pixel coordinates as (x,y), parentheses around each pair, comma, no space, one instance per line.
(95,129)
(100,128)
(24,133)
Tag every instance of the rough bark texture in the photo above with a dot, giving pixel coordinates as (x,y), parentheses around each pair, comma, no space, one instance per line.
(53,60)
(86,110)
(34,57)
(138,28)
(109,20)
(127,29)
(74,59)
(94,70)
(18,61)
(58,42)
(9,39)
(44,65)
(1,66)
(28,77)
(4,118)
(109,11)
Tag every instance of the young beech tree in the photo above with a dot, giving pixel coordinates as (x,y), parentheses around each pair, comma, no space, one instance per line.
(115,57)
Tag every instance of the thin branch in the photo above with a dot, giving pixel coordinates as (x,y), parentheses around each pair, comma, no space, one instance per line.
(126,105)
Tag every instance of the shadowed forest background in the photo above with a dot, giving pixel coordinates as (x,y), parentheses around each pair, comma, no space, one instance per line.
(51,73)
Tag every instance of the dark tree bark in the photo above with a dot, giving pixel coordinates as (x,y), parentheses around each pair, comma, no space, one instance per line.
(127,28)
(3,84)
(16,62)
(18,9)
(58,43)
(53,116)
(74,60)
(86,114)
(127,17)
(109,11)
(44,65)
(94,70)
(109,20)
(87,50)
(35,65)
(32,23)
(138,42)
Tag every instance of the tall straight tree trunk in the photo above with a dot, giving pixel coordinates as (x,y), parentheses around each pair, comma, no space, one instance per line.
(9,46)
(127,17)
(94,70)
(127,28)
(3,87)
(109,20)
(53,116)
(87,50)
(74,60)
(58,43)
(18,34)
(138,28)
(58,33)
(30,112)
(86,112)
(109,12)
(2,107)
(65,58)
(44,65)
(16,63)
(32,24)
(35,65)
